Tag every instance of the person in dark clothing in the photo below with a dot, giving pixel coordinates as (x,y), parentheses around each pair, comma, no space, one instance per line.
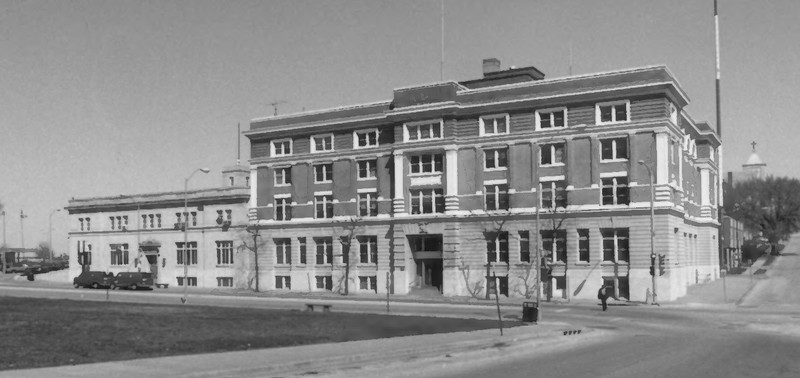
(602,295)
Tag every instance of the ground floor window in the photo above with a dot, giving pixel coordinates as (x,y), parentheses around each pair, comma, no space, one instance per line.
(225,281)
(501,285)
(283,282)
(368,283)
(192,281)
(324,282)
(119,254)
(620,285)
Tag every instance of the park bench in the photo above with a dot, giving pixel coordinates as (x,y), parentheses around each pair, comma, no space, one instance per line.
(326,307)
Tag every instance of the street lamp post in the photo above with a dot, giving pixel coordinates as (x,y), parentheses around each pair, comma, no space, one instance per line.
(652,230)
(50,232)
(186,231)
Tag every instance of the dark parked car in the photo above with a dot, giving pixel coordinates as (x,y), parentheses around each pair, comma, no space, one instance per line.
(133,280)
(94,279)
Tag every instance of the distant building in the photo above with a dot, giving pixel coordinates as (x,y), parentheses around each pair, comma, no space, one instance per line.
(753,168)
(144,232)
(733,232)
(440,188)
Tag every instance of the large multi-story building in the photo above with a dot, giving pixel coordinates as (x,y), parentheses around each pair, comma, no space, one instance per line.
(441,188)
(145,232)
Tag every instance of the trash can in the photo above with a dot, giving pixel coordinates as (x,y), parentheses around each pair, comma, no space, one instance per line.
(530,312)
(29,273)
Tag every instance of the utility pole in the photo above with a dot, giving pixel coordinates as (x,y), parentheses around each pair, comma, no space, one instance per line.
(538,251)
(22,229)
(3,213)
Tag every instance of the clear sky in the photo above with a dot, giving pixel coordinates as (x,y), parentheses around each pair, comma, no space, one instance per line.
(101,98)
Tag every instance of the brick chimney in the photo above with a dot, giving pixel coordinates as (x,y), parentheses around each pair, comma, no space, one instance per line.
(491,65)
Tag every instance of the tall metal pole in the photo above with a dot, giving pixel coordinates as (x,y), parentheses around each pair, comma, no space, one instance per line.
(22,229)
(50,231)
(185,233)
(652,230)
(538,250)
(720,168)
(441,63)
(4,228)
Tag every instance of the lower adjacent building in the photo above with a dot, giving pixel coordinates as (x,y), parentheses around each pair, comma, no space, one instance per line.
(202,246)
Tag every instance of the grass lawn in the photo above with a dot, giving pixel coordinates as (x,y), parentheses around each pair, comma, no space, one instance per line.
(45,332)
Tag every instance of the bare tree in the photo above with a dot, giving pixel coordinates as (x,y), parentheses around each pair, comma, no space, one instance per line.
(493,229)
(43,250)
(348,231)
(252,241)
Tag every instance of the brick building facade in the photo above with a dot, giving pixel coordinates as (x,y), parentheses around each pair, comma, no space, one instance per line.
(444,184)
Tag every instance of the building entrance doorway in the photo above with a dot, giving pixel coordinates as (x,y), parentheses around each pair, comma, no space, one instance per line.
(427,252)
(151,252)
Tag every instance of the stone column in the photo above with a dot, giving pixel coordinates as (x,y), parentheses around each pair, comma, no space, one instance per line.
(398,203)
(451,171)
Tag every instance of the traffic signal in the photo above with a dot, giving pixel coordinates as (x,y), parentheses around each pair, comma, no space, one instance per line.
(652,270)
(662,264)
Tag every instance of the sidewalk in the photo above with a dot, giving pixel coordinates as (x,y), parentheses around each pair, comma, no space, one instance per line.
(729,291)
(313,359)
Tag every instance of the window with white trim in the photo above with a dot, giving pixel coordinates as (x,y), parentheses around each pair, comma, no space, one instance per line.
(119,254)
(365,138)
(283,176)
(368,283)
(224,282)
(324,282)
(324,253)
(368,204)
(323,173)
(615,190)
(552,154)
(283,209)
(584,252)
(367,169)
(323,206)
(368,249)
(524,246)
(555,118)
(427,201)
(189,253)
(496,197)
(614,149)
(496,158)
(496,246)
(190,281)
(612,112)
(322,143)
(554,245)
(615,244)
(224,252)
(493,124)
(423,131)
(554,194)
(428,163)
(302,243)
(281,147)
(283,282)
(283,251)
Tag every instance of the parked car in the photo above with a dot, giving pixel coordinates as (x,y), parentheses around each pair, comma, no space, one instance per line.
(93,279)
(133,280)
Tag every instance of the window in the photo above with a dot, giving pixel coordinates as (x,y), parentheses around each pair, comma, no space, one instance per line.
(88,224)
(119,254)
(112,219)
(496,158)
(190,253)
(281,147)
(324,282)
(554,194)
(124,222)
(191,281)
(324,250)
(524,246)
(367,169)
(368,248)
(224,282)
(152,220)
(615,191)
(302,243)
(497,246)
(423,131)
(496,197)
(283,176)
(551,154)
(431,163)
(368,283)
(612,112)
(323,173)
(614,149)
(494,125)
(247,181)
(365,138)
(583,245)
(144,220)
(673,114)
(551,118)
(283,282)
(283,251)
(81,222)
(615,244)
(323,206)
(427,201)
(283,209)
(501,285)
(230,181)
(368,204)
(225,252)
(322,143)
(554,245)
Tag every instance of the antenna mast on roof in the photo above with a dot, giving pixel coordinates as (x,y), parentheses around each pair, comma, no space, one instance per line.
(441,63)
(275,106)
(238,142)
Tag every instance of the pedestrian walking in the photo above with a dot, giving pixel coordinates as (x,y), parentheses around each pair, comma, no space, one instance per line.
(602,295)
